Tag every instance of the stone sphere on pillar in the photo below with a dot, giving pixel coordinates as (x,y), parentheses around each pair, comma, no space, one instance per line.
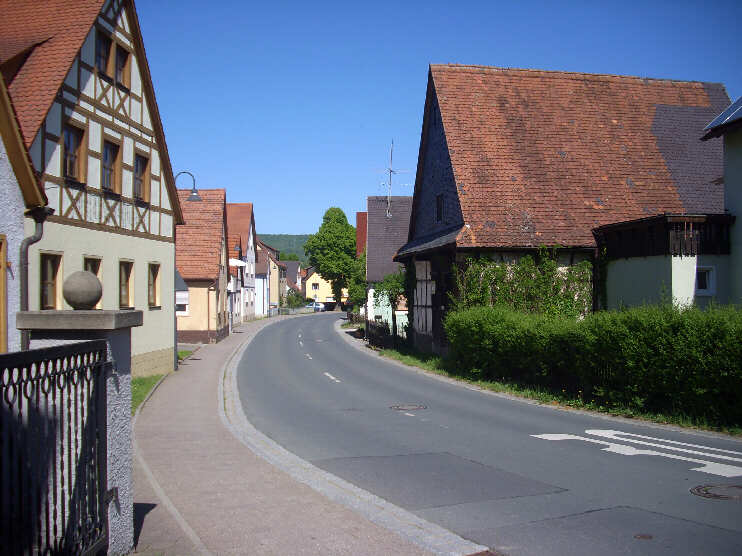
(82,290)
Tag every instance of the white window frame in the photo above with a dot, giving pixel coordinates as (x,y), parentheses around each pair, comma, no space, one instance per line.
(711,281)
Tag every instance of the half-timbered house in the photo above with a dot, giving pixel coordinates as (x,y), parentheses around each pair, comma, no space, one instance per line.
(78,77)
(241,220)
(512,160)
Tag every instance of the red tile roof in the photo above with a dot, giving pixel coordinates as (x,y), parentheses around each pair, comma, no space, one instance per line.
(361,230)
(200,240)
(541,158)
(240,220)
(261,262)
(38,44)
(232,241)
(51,33)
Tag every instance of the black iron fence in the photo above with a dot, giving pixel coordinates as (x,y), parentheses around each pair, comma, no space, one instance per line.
(53,496)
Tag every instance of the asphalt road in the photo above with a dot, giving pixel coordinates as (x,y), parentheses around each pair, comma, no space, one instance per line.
(479,464)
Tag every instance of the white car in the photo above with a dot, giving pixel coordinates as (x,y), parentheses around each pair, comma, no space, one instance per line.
(317,306)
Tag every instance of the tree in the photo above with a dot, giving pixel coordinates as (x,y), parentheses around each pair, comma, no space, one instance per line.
(391,289)
(332,250)
(290,257)
(357,282)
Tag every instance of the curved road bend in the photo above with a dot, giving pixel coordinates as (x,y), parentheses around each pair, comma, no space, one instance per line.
(520,478)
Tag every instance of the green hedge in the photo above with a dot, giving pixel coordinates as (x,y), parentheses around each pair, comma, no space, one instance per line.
(684,362)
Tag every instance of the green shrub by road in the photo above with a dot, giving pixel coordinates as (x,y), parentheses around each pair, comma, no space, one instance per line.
(683,363)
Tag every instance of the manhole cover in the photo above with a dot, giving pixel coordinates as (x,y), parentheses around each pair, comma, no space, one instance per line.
(408,407)
(718,492)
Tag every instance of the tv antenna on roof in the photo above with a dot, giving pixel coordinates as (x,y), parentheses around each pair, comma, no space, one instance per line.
(391,172)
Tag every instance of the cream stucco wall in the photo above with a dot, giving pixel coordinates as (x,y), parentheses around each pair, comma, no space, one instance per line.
(733,203)
(650,280)
(324,292)
(638,281)
(197,309)
(74,244)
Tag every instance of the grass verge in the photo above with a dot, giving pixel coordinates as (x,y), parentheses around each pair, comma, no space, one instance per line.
(182,354)
(436,364)
(140,387)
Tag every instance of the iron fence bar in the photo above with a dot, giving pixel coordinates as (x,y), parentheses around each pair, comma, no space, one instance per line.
(53,449)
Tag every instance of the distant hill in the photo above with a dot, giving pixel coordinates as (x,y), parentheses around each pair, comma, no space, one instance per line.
(287,243)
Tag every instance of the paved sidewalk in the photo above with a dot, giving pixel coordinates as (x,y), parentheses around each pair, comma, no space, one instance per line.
(199,490)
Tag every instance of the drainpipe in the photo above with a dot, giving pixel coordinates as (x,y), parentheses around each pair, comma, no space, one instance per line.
(39,215)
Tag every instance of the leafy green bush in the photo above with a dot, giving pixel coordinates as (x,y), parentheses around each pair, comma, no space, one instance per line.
(528,285)
(679,361)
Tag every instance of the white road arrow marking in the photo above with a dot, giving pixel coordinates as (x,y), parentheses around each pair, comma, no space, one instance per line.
(308,356)
(709,467)
(301,344)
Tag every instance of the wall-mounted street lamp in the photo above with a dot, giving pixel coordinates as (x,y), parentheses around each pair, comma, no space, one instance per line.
(194,196)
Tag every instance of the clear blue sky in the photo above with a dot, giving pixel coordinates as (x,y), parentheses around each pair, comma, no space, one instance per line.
(292,105)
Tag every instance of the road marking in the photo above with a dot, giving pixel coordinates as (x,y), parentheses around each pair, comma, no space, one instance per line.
(301,343)
(709,467)
(410,414)
(328,375)
(308,356)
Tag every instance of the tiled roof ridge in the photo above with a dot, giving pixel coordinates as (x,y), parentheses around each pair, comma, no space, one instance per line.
(563,74)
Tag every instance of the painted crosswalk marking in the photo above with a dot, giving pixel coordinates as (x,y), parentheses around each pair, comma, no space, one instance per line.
(673,449)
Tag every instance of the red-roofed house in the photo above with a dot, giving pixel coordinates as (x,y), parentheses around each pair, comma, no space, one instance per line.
(78,78)
(201,257)
(241,220)
(19,191)
(511,160)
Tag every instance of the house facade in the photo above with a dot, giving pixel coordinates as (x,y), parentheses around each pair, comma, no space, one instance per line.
(20,191)
(262,284)
(513,160)
(79,79)
(388,222)
(728,125)
(317,288)
(236,283)
(241,221)
(202,261)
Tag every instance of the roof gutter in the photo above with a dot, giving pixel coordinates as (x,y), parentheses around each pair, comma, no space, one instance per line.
(39,214)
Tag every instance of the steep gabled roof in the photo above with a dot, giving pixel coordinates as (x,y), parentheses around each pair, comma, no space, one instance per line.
(261,262)
(386,234)
(542,157)
(198,242)
(38,44)
(292,270)
(233,240)
(17,153)
(240,220)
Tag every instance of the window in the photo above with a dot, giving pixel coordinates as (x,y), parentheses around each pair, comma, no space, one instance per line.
(72,158)
(49,282)
(181,308)
(122,67)
(439,208)
(102,53)
(92,264)
(141,178)
(109,168)
(126,299)
(153,285)
(705,281)
(315,286)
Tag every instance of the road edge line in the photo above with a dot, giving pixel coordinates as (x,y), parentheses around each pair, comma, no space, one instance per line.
(407,525)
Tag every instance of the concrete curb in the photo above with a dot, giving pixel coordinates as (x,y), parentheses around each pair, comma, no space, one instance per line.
(429,536)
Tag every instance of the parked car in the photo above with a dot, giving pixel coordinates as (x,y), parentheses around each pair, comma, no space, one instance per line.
(316,306)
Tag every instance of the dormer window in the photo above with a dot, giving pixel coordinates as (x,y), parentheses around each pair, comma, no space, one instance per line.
(102,53)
